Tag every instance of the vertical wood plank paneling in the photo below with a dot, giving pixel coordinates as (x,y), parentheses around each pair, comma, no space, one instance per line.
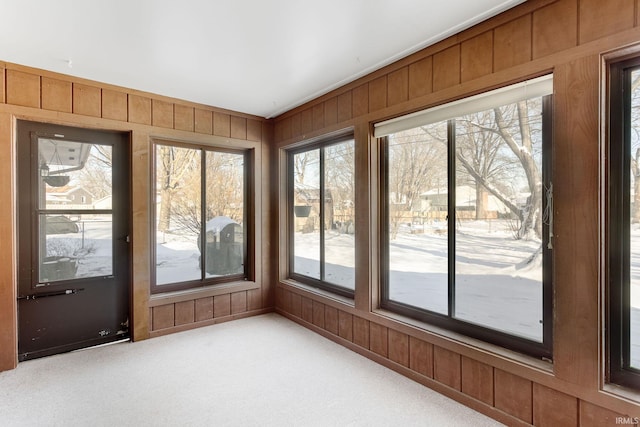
(398,86)
(345,325)
(163,317)
(238,127)
(87,100)
(596,416)
(318,116)
(599,19)
(295,123)
(476,57)
(183,117)
(318,314)
(378,94)
(512,43)
(555,28)
(446,367)
(221,124)
(115,105)
(23,89)
(360,100)
(361,332)
(379,339)
(306,121)
(56,95)
(399,347)
(575,188)
(296,305)
(307,309)
(3,83)
(162,114)
(513,395)
(331,111)
(204,309)
(254,130)
(345,105)
(238,302)
(446,68)
(331,319)
(8,288)
(254,299)
(221,305)
(421,77)
(553,408)
(421,357)
(185,312)
(477,380)
(203,121)
(139,109)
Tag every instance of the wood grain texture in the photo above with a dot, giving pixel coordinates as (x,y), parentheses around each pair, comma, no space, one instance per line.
(331,319)
(345,325)
(238,127)
(87,100)
(254,299)
(447,367)
(378,94)
(203,121)
(306,121)
(596,416)
(139,109)
(221,124)
(296,305)
(331,111)
(163,317)
(183,117)
(162,114)
(3,82)
(421,77)
(307,309)
(360,100)
(555,28)
(184,312)
(23,89)
(238,302)
(398,86)
(421,357)
(254,130)
(203,309)
(399,347)
(512,43)
(477,380)
(379,339)
(115,105)
(345,106)
(221,305)
(318,116)
(599,19)
(513,395)
(553,408)
(318,314)
(360,332)
(57,95)
(446,68)
(476,57)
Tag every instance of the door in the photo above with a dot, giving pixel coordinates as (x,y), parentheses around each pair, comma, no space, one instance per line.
(73,238)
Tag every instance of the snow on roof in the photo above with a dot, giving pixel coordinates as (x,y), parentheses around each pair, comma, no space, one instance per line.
(218,223)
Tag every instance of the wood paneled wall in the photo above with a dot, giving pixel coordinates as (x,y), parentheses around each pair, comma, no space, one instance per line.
(570,39)
(31,94)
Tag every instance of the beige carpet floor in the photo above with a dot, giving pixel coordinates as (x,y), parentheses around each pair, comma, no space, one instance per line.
(260,371)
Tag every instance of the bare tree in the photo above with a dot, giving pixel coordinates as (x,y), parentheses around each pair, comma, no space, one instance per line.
(173,165)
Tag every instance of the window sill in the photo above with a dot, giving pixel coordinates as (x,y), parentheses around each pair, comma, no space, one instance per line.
(621,392)
(545,366)
(202,292)
(320,292)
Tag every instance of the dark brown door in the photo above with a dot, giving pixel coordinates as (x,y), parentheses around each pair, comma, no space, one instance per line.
(73,238)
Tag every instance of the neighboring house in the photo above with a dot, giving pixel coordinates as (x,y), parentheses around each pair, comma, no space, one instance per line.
(69,196)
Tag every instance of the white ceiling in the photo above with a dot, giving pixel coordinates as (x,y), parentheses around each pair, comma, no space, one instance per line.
(261,57)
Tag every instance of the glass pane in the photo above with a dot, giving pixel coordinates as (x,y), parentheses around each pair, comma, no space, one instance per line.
(418,247)
(78,246)
(224,254)
(306,213)
(74,175)
(178,214)
(339,220)
(498,281)
(634,227)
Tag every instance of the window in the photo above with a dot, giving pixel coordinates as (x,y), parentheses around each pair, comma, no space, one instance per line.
(466,216)
(201,210)
(322,222)
(623,225)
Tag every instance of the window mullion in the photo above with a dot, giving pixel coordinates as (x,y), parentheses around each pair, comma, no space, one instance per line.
(322,213)
(203,213)
(451,215)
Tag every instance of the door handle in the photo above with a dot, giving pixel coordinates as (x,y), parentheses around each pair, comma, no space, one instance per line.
(52,294)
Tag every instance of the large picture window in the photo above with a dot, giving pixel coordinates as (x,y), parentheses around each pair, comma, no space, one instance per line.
(623,226)
(321,206)
(467,214)
(201,210)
